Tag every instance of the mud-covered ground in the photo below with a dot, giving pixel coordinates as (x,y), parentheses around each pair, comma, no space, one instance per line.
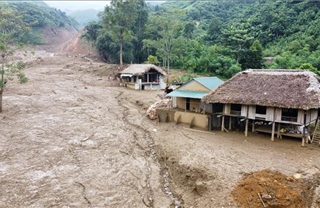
(71,137)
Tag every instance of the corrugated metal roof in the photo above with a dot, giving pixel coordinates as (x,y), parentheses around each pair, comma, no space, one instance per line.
(186,94)
(209,82)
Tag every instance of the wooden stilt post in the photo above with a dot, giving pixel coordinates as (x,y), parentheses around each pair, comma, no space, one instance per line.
(278,131)
(273,124)
(253,127)
(273,128)
(230,122)
(247,122)
(304,128)
(222,123)
(247,125)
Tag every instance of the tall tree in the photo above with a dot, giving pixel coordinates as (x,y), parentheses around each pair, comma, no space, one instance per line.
(119,18)
(167,28)
(214,30)
(253,57)
(138,30)
(239,40)
(12,27)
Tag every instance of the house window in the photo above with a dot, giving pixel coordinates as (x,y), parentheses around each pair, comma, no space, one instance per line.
(289,114)
(235,109)
(217,107)
(261,109)
(153,78)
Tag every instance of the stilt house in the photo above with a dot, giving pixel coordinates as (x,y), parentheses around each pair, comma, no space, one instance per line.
(276,99)
(143,77)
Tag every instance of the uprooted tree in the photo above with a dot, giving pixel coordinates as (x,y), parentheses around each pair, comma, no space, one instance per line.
(12,28)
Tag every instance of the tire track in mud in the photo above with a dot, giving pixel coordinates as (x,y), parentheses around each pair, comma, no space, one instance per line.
(154,155)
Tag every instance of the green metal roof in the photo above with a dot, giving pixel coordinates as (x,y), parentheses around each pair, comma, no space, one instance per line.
(187,94)
(209,82)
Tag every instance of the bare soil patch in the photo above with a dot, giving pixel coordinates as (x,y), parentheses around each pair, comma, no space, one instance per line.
(273,189)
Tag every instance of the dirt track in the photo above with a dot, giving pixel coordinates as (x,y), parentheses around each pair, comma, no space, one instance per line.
(71,137)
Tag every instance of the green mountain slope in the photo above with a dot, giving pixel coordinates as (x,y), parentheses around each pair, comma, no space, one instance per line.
(221,37)
(39,16)
(83,17)
(288,29)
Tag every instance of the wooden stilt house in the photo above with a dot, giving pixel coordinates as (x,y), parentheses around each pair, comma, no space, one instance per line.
(143,77)
(282,102)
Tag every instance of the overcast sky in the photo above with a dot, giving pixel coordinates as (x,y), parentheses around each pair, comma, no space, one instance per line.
(65,5)
(77,5)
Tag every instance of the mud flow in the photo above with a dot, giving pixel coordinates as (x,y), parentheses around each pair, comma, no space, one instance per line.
(72,137)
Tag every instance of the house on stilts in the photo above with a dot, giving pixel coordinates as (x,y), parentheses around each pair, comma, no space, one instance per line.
(143,77)
(279,102)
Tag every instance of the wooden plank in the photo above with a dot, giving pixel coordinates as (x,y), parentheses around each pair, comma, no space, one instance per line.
(252,112)
(227,109)
(300,118)
(278,113)
(270,114)
(244,110)
(314,114)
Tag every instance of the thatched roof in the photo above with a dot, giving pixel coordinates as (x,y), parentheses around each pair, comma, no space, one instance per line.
(139,69)
(278,88)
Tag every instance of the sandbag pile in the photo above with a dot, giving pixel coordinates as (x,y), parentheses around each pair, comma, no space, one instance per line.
(152,110)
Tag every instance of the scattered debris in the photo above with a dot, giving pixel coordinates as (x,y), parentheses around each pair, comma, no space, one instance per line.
(152,110)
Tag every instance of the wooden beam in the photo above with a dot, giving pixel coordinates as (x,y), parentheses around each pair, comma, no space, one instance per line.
(278,131)
(273,124)
(222,123)
(273,128)
(247,122)
(253,126)
(247,125)
(230,123)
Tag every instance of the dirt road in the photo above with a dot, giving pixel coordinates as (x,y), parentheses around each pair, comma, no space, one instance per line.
(71,137)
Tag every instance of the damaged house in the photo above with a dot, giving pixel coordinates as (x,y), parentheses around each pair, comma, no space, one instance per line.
(143,77)
(186,102)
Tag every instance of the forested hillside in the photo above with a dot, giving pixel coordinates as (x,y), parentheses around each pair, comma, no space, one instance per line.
(218,37)
(37,16)
(83,17)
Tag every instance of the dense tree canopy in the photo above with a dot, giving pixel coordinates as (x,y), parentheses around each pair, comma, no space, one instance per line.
(220,37)
(12,28)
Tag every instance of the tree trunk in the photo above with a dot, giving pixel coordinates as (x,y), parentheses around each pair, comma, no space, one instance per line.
(1,91)
(2,82)
(121,63)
